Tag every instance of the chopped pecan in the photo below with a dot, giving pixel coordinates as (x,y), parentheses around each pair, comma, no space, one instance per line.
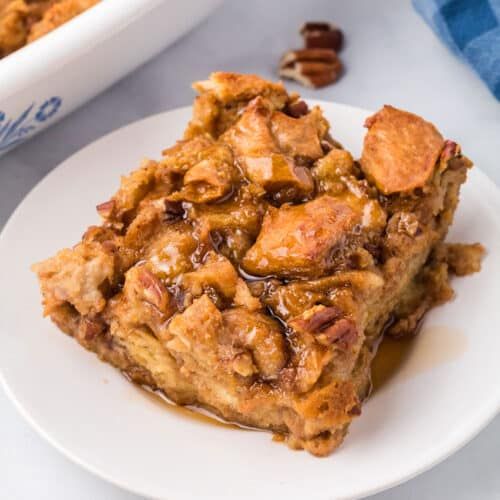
(154,292)
(321,35)
(321,319)
(90,327)
(328,326)
(105,209)
(311,67)
(450,150)
(343,333)
(297,109)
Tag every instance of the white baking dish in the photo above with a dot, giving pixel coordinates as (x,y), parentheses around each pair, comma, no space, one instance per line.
(44,81)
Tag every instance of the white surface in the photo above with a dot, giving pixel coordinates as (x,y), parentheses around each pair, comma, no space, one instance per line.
(391,56)
(84,56)
(452,371)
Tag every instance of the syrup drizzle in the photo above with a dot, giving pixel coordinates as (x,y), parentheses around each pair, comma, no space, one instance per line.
(396,360)
(404,359)
(193,413)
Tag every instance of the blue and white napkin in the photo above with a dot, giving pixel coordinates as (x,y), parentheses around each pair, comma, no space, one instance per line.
(471,29)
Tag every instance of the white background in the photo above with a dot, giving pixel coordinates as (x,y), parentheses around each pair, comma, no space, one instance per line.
(391,56)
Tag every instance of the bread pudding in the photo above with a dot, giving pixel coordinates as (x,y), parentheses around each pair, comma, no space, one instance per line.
(24,21)
(253,269)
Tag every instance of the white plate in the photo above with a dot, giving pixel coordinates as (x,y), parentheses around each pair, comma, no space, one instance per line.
(445,392)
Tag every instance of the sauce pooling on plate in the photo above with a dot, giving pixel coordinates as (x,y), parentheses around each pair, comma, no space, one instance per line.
(406,358)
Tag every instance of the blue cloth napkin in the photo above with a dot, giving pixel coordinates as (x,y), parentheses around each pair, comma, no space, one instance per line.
(471,29)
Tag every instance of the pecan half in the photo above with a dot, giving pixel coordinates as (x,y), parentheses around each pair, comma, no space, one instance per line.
(343,333)
(321,319)
(321,35)
(329,327)
(311,67)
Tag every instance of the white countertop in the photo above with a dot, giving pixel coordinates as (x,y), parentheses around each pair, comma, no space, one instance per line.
(391,56)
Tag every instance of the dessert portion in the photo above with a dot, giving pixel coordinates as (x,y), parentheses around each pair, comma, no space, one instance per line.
(254,268)
(24,21)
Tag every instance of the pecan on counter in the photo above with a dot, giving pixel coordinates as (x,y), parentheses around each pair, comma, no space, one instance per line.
(321,35)
(311,67)
(317,64)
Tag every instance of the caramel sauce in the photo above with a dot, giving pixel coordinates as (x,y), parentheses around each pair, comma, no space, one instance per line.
(406,358)
(391,356)
(193,413)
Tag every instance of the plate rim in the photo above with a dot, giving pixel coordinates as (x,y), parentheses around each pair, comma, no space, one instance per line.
(487,412)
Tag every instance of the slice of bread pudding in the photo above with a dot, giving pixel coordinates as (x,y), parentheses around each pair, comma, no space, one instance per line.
(253,269)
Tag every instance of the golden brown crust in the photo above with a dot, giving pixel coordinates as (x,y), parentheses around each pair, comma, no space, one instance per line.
(400,150)
(264,157)
(224,95)
(229,87)
(252,269)
(300,137)
(58,14)
(14,24)
(24,21)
